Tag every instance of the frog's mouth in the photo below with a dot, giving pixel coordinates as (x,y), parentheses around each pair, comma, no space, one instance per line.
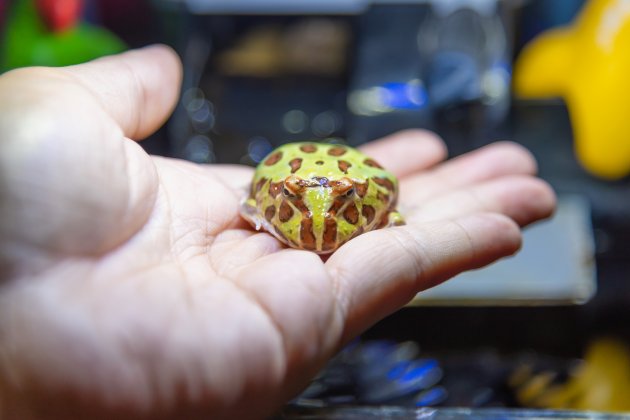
(297,185)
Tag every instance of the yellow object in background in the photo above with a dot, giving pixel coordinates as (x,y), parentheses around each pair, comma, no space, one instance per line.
(588,64)
(600,383)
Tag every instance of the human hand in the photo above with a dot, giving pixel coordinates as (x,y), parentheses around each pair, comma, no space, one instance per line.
(131,286)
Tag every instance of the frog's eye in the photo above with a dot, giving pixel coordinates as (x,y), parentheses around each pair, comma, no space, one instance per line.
(343,188)
(287,193)
(293,186)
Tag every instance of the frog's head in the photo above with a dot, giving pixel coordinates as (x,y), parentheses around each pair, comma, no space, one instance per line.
(327,210)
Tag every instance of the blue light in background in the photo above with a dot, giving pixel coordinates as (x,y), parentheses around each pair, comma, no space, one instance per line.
(258,148)
(404,95)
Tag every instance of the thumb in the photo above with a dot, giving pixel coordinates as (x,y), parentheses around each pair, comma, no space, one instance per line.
(138,89)
(71,182)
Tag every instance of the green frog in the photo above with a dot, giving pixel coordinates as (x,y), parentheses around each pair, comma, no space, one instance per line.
(316,196)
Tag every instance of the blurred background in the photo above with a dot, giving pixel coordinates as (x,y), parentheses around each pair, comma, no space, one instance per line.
(548,329)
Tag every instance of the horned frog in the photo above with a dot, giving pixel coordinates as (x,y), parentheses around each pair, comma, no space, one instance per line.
(317,196)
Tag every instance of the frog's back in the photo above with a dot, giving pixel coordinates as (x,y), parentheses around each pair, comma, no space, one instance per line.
(308,160)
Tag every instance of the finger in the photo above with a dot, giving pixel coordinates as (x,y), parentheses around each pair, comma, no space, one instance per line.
(494,160)
(380,271)
(138,89)
(407,151)
(522,198)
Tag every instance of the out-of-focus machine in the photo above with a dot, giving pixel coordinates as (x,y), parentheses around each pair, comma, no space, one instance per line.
(352,69)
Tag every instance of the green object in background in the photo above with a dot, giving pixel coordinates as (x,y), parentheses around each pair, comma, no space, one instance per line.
(29,41)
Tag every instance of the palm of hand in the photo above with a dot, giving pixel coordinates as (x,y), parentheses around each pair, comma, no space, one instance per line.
(165,294)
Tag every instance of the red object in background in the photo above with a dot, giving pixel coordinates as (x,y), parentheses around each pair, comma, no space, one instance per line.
(59,15)
(2,9)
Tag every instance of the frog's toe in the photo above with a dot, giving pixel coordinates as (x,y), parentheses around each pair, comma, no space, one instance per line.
(249,212)
(395,219)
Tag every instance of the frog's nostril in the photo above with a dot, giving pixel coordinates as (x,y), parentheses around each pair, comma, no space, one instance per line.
(318,181)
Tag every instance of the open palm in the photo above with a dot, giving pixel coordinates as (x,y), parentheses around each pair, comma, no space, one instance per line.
(130,284)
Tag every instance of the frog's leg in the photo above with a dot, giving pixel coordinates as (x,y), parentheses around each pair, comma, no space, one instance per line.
(395,219)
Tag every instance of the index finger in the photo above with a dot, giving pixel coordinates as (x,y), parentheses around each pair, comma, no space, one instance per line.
(407,152)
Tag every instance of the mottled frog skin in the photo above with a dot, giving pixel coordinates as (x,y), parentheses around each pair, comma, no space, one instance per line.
(318,196)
